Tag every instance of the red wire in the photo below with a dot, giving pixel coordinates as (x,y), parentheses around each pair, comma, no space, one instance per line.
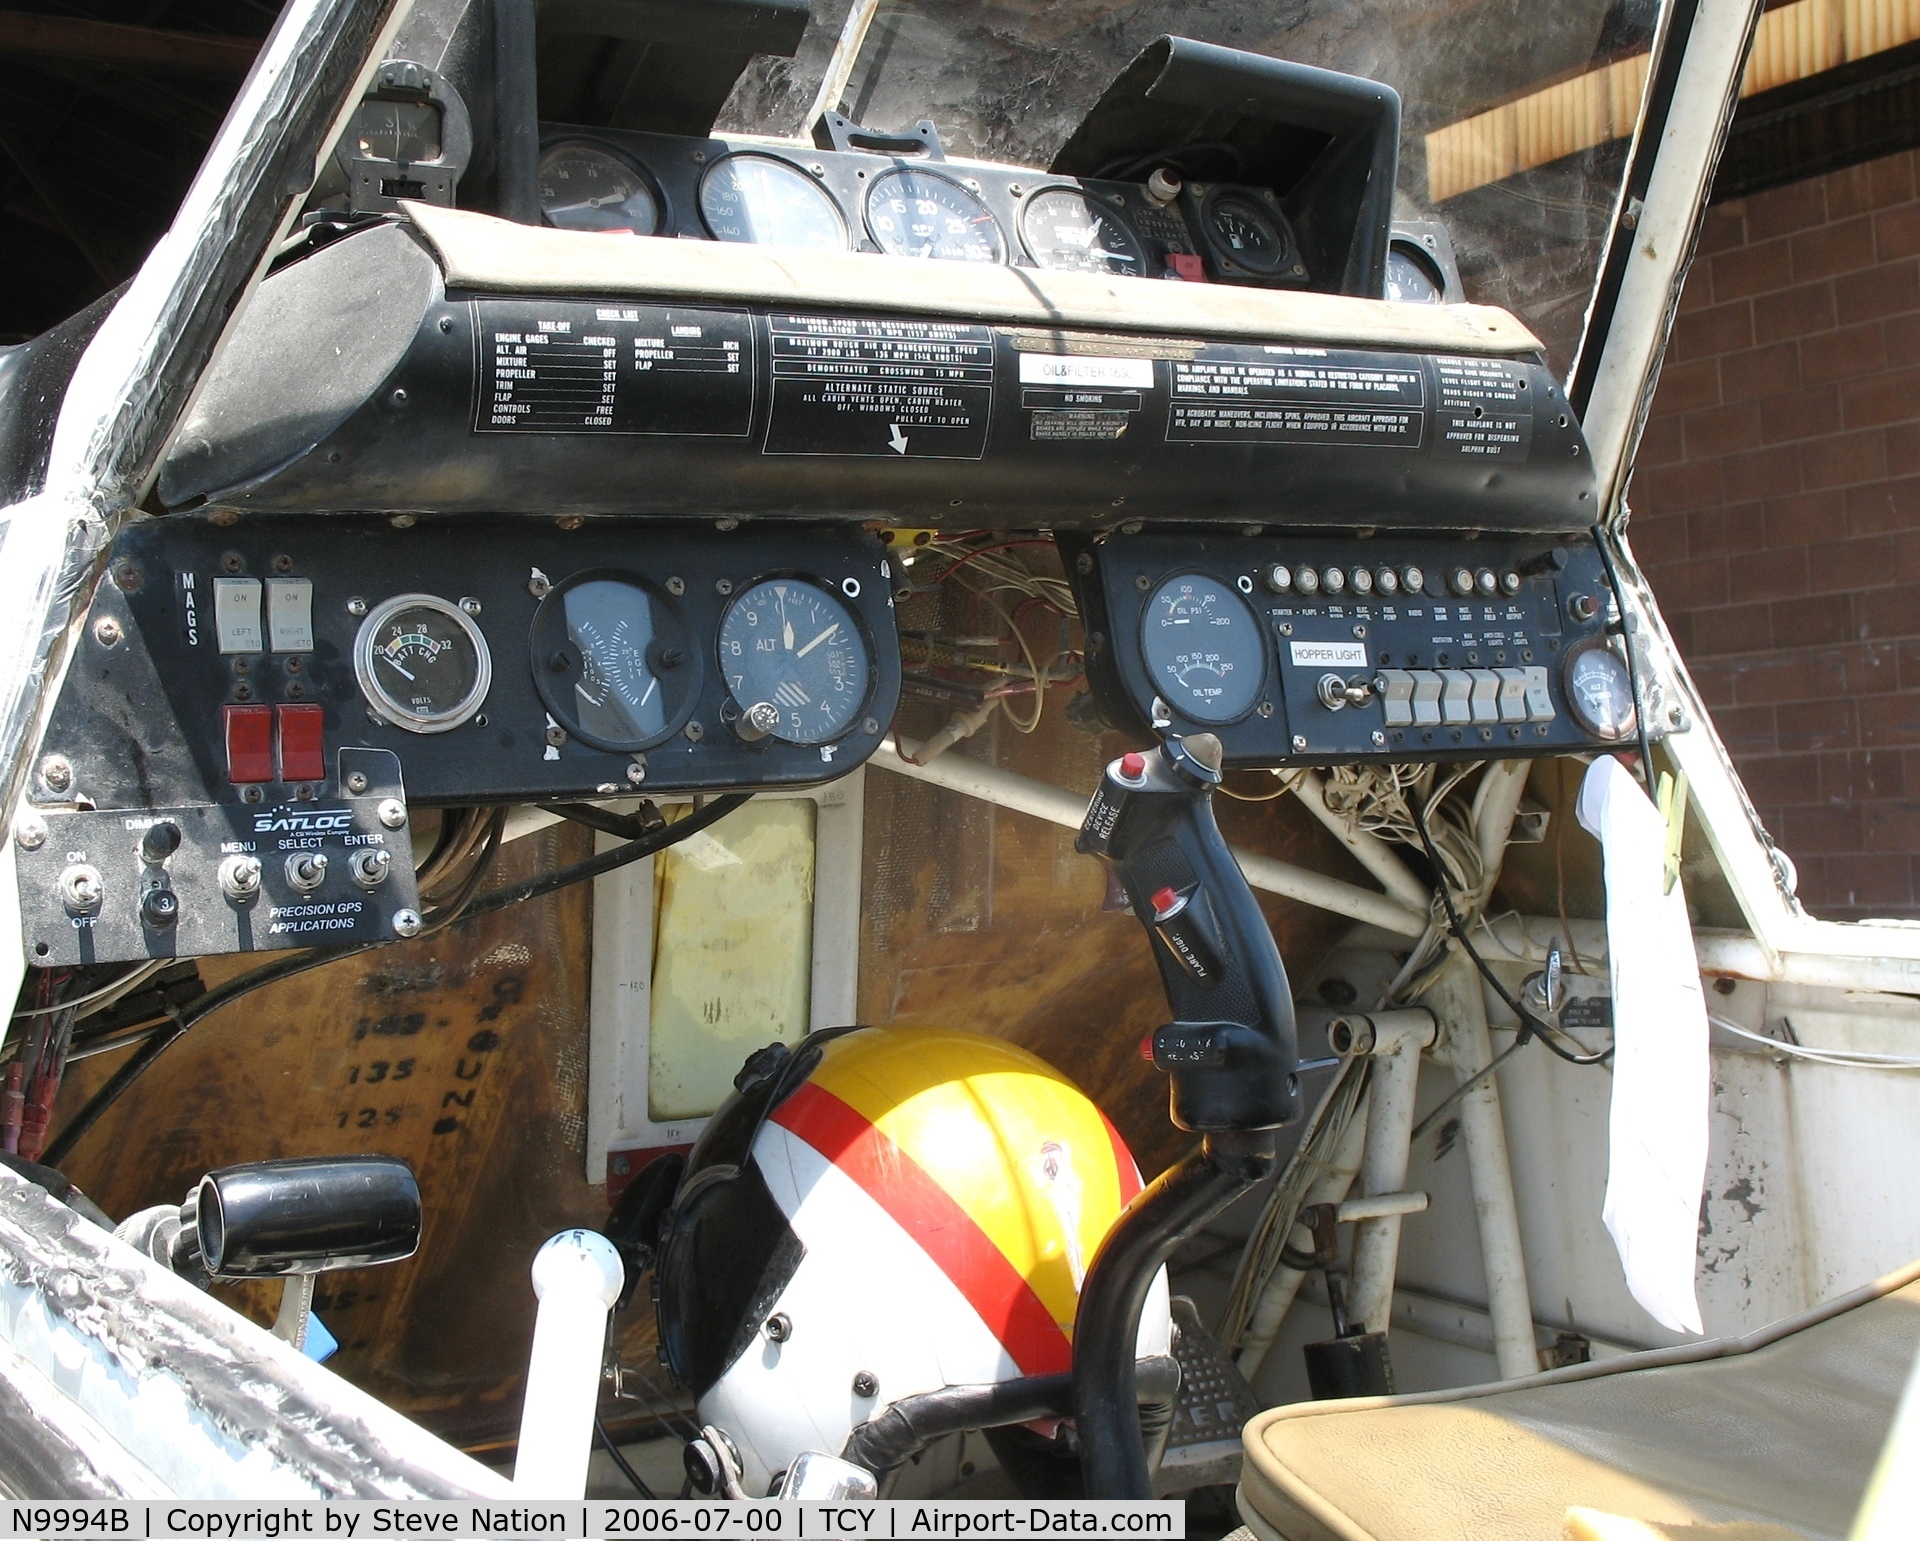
(983,550)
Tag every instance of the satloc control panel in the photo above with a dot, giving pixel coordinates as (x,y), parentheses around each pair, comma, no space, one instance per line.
(1318,650)
(293,684)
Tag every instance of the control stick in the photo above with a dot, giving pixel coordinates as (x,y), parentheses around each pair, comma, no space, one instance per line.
(1230,1051)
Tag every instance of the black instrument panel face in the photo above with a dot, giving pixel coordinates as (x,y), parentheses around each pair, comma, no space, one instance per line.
(1327,650)
(500,662)
(778,194)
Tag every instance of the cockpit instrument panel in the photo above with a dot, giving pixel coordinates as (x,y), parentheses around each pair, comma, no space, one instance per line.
(1306,649)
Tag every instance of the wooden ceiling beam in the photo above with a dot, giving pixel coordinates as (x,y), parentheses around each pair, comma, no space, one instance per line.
(105,42)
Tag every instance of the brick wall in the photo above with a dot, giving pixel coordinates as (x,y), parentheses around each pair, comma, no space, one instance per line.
(1776,507)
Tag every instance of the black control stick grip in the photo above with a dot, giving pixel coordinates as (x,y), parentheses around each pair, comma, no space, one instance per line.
(306,1215)
(1231,1047)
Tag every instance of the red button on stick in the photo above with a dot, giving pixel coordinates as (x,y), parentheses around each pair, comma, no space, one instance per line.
(1165,902)
(1133,766)
(302,754)
(249,736)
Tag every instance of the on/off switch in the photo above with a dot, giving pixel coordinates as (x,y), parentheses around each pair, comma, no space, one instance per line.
(249,736)
(302,753)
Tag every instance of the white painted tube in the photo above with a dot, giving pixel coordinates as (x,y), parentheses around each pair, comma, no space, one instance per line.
(1368,849)
(1007,789)
(1466,1047)
(1398,1039)
(577,1277)
(1276,1297)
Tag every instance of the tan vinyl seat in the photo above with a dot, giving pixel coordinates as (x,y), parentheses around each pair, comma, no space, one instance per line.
(1781,1427)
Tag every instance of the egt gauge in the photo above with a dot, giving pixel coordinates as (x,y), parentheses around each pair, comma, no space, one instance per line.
(422,663)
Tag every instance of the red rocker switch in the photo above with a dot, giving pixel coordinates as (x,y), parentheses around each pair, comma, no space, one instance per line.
(302,756)
(249,734)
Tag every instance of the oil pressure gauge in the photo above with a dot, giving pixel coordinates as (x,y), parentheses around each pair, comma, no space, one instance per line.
(1203,647)
(1600,693)
(422,663)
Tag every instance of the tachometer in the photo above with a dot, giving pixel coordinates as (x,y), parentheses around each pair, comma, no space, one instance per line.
(614,661)
(583,187)
(1204,649)
(1068,231)
(1411,279)
(917,214)
(422,663)
(769,202)
(790,645)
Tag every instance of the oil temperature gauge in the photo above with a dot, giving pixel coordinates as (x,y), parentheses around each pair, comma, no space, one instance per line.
(790,645)
(614,661)
(1203,649)
(422,663)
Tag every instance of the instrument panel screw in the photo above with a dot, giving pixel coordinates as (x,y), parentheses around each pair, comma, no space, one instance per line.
(850,587)
(446,323)
(402,521)
(106,631)
(1379,739)
(556,736)
(865,1384)
(726,526)
(1266,708)
(31,832)
(406,922)
(126,575)
(1299,743)
(694,732)
(636,773)
(283,564)
(232,562)
(723,585)
(870,727)
(356,781)
(399,397)
(470,605)
(1083,563)
(569,521)
(1286,628)
(356,606)
(1360,631)
(676,586)
(391,812)
(1140,582)
(538,584)
(57,772)
(779,1327)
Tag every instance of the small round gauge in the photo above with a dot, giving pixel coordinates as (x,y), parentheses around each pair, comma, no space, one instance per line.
(791,645)
(1203,649)
(1411,278)
(614,661)
(770,202)
(1240,230)
(422,663)
(1068,231)
(1600,693)
(917,214)
(583,187)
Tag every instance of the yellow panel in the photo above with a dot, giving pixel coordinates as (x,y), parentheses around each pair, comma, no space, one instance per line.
(733,950)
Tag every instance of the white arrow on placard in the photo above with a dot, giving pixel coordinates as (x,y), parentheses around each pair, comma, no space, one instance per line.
(899,439)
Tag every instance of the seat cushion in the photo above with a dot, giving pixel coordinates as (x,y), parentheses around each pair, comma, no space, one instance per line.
(1781,1427)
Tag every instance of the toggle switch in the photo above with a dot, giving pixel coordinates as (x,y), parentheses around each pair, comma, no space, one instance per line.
(249,738)
(302,750)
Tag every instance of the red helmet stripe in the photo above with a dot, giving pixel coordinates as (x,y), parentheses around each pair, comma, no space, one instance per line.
(1124,1167)
(942,1229)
